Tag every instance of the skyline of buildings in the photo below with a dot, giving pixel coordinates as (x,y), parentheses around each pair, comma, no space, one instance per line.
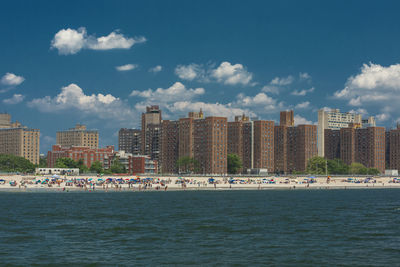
(262,145)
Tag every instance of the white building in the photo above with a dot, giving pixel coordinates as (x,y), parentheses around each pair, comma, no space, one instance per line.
(335,120)
(58,171)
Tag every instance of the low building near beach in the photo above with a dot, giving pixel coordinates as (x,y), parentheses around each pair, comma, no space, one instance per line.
(58,171)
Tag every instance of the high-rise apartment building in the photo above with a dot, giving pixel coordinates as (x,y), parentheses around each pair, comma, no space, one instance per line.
(363,145)
(151,132)
(263,145)
(130,141)
(169,146)
(240,140)
(286,118)
(78,136)
(294,146)
(335,120)
(210,144)
(18,140)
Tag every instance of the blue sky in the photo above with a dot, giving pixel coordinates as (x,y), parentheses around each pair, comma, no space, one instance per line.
(100,63)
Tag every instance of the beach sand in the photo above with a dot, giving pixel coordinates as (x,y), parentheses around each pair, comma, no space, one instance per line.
(27,183)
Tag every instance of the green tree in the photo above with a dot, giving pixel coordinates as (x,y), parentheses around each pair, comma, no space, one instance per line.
(11,163)
(316,165)
(117,167)
(234,163)
(42,163)
(97,167)
(357,168)
(65,163)
(187,164)
(70,163)
(373,171)
(337,166)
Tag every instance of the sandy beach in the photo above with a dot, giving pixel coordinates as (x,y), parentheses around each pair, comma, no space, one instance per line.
(163,183)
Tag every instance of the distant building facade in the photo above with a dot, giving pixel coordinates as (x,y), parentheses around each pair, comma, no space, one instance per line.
(19,140)
(294,145)
(78,136)
(335,120)
(151,132)
(130,140)
(355,144)
(87,154)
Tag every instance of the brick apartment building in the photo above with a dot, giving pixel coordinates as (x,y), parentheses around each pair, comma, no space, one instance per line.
(170,146)
(294,145)
(363,145)
(89,155)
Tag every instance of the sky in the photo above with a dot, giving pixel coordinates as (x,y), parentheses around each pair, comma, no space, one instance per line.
(101,63)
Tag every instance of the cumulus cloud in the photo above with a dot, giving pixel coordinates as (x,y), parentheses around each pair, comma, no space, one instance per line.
(232,74)
(176,92)
(210,109)
(375,83)
(304,76)
(71,41)
(156,69)
(375,87)
(303,105)
(303,92)
(225,73)
(15,99)
(382,117)
(190,72)
(126,67)
(282,81)
(73,98)
(298,120)
(10,79)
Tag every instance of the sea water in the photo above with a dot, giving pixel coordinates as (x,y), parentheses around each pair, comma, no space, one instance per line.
(267,227)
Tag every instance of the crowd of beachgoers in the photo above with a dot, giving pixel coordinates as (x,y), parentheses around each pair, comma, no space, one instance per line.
(162,183)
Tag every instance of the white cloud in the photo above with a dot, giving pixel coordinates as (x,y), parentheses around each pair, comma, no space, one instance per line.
(177,92)
(114,40)
(375,83)
(126,67)
(303,105)
(15,99)
(376,88)
(298,120)
(210,109)
(156,69)
(70,41)
(73,98)
(10,79)
(270,89)
(189,72)
(232,74)
(303,92)
(304,76)
(382,117)
(225,73)
(282,81)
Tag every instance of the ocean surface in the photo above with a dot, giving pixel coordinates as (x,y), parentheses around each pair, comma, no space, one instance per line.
(270,227)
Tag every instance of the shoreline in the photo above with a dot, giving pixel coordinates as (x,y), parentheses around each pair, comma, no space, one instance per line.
(90,184)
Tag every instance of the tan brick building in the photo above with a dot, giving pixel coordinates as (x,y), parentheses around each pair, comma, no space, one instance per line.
(294,146)
(210,144)
(78,136)
(18,140)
